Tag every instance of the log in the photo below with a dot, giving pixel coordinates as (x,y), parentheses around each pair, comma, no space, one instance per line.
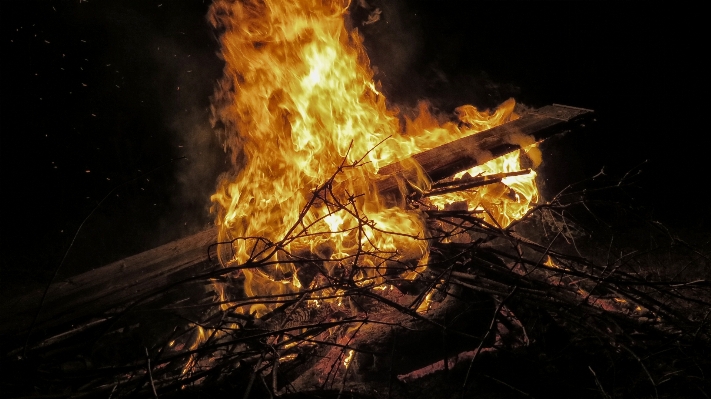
(117,284)
(122,282)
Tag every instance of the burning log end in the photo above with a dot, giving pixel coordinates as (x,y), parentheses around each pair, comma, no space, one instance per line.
(476,149)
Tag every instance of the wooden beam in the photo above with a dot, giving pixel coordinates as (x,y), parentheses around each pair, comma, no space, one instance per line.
(448,159)
(117,284)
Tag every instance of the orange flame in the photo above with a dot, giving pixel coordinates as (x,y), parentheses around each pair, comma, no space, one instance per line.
(297,101)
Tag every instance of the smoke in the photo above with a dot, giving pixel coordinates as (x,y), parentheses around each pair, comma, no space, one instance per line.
(393,40)
(156,72)
(190,70)
(418,55)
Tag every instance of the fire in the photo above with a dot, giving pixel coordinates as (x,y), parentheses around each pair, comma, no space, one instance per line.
(300,108)
(347,360)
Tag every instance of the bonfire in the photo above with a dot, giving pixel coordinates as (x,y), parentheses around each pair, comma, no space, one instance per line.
(358,250)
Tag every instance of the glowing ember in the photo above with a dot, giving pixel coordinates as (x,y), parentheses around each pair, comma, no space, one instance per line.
(299,104)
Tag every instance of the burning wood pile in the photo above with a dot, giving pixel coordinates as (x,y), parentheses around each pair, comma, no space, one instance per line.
(359,251)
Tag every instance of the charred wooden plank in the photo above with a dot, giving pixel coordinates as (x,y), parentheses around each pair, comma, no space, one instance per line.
(448,159)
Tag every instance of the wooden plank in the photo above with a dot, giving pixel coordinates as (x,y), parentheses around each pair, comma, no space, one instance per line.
(476,149)
(114,285)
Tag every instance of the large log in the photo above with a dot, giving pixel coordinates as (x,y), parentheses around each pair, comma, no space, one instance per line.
(138,276)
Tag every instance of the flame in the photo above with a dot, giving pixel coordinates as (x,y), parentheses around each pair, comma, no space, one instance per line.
(200,336)
(425,305)
(298,102)
(347,360)
(506,201)
(549,262)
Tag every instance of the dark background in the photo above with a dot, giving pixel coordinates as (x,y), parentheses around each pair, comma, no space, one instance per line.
(101,99)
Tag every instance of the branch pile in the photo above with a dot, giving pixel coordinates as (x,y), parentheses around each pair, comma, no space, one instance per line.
(554,303)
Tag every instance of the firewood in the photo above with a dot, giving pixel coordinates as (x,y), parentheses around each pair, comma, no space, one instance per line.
(117,284)
(476,149)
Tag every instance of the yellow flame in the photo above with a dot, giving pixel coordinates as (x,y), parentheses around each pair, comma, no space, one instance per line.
(549,262)
(200,337)
(287,358)
(347,360)
(425,305)
(297,98)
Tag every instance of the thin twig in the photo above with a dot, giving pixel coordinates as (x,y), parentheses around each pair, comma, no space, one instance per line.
(481,343)
(150,373)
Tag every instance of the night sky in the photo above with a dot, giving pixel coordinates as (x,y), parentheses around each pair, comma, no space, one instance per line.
(105,109)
